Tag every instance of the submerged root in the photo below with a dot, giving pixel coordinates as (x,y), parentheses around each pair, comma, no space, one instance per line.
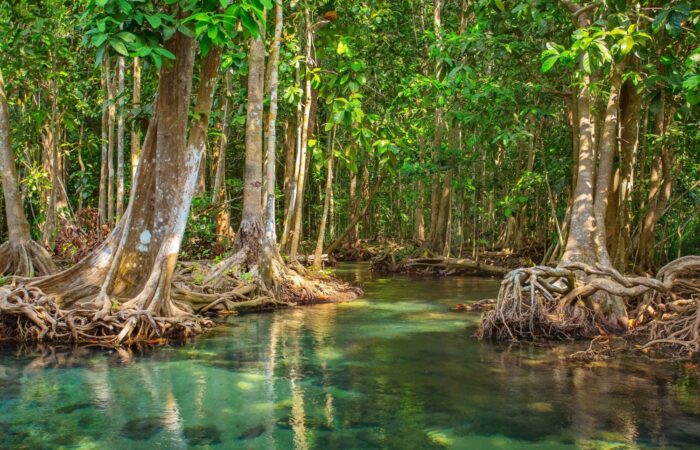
(25,259)
(28,314)
(545,302)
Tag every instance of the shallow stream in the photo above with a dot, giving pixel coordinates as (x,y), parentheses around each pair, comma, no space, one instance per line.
(395,369)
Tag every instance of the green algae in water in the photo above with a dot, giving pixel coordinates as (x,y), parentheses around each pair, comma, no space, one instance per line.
(395,370)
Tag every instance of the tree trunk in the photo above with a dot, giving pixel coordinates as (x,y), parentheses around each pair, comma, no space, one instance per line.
(136,105)
(660,187)
(250,232)
(223,219)
(631,103)
(123,288)
(306,130)
(271,129)
(353,223)
(605,168)
(111,112)
(583,243)
(120,138)
(20,255)
(318,254)
(354,209)
(102,205)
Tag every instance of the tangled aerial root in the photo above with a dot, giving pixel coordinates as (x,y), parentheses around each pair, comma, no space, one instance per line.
(214,290)
(28,314)
(546,302)
(25,259)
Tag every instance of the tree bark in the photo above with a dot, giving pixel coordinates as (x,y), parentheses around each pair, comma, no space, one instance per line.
(120,138)
(318,254)
(605,168)
(631,103)
(136,105)
(111,112)
(271,130)
(132,271)
(19,255)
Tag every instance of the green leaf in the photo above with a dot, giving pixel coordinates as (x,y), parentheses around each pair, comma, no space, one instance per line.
(626,45)
(342,47)
(691,83)
(548,63)
(119,47)
(586,62)
(499,4)
(98,39)
(660,20)
(154,20)
(165,53)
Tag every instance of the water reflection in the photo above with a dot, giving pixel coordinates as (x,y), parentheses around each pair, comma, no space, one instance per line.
(395,370)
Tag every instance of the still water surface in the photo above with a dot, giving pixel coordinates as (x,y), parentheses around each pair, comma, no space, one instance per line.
(394,370)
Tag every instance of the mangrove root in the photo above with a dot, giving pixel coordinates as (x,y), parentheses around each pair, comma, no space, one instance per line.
(25,259)
(546,302)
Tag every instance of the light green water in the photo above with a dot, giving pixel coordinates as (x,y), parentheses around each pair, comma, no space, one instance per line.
(393,370)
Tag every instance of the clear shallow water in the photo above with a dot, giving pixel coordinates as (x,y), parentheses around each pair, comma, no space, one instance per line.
(393,370)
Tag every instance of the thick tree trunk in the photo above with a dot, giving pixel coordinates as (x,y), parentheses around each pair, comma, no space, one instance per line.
(123,289)
(249,236)
(19,255)
(583,244)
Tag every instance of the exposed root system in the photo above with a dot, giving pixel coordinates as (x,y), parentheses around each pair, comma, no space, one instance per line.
(25,259)
(229,287)
(28,314)
(564,303)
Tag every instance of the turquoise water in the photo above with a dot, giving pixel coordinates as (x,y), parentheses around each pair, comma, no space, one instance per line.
(393,370)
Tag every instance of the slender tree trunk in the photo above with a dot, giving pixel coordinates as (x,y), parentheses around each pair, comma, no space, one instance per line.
(335,245)
(219,195)
(631,103)
(271,130)
(307,129)
(102,206)
(136,105)
(318,254)
(289,145)
(120,138)
(605,167)
(111,111)
(354,209)
(437,136)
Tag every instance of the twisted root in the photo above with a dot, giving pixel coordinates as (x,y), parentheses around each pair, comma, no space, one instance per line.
(25,259)
(555,303)
(28,314)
